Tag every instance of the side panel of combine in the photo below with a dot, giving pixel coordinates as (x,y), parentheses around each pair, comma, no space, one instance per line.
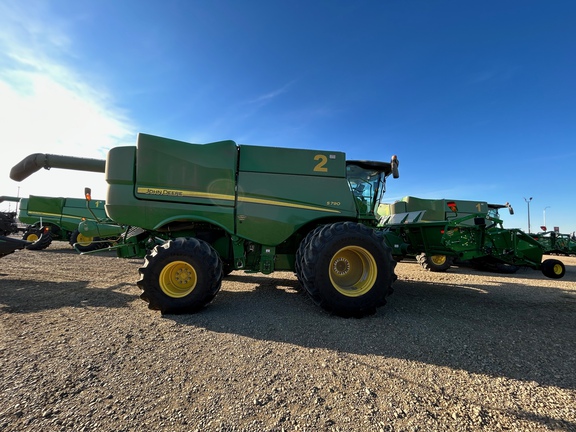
(36,207)
(174,181)
(65,213)
(435,209)
(280,190)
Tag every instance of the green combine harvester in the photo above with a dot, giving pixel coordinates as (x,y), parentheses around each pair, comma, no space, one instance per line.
(58,218)
(196,212)
(441,232)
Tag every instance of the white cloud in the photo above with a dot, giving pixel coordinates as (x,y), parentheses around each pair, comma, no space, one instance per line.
(46,107)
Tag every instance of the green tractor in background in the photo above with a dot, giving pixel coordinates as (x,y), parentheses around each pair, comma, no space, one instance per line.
(196,212)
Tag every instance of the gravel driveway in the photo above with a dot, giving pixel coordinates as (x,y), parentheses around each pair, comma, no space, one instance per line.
(457,351)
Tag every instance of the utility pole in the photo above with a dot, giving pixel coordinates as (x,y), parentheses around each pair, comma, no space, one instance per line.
(528,202)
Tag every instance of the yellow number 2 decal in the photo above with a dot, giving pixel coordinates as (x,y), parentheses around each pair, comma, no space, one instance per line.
(320,165)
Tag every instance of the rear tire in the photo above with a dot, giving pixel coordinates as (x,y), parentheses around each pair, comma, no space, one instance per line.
(435,263)
(85,244)
(348,270)
(553,268)
(40,238)
(180,276)
(299,258)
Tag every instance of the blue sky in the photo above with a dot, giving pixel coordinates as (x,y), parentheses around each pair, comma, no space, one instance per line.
(477,99)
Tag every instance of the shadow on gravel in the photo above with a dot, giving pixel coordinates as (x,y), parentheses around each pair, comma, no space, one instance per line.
(18,296)
(477,328)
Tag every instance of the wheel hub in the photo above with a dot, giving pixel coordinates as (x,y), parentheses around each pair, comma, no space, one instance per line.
(353,271)
(178,279)
(341,266)
(83,240)
(438,259)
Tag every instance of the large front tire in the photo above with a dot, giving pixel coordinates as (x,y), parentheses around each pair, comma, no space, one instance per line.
(348,270)
(180,276)
(301,253)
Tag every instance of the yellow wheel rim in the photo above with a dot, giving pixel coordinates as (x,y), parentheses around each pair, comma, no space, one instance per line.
(32,237)
(557,269)
(178,279)
(353,271)
(83,240)
(438,259)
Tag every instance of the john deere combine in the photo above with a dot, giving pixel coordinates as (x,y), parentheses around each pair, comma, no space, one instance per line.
(58,218)
(441,231)
(196,212)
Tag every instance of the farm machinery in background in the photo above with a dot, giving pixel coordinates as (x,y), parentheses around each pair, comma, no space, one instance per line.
(555,243)
(8,222)
(196,212)
(8,227)
(43,219)
(444,232)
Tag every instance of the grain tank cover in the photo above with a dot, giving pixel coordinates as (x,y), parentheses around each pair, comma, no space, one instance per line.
(178,171)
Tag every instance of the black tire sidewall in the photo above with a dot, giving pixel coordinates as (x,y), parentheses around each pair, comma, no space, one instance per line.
(44,239)
(426,262)
(201,256)
(319,256)
(548,268)
(84,248)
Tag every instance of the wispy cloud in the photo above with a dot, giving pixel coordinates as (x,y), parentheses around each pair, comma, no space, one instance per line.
(270,96)
(496,73)
(45,105)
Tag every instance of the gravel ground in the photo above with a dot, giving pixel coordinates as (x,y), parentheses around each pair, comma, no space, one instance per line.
(455,351)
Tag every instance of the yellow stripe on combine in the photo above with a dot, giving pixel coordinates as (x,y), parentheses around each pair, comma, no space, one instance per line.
(192,194)
(285,204)
(56,215)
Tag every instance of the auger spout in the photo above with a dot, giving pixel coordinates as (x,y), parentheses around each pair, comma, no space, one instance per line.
(34,162)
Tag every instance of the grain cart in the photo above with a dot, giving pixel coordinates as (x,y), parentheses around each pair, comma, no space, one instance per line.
(449,230)
(198,211)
